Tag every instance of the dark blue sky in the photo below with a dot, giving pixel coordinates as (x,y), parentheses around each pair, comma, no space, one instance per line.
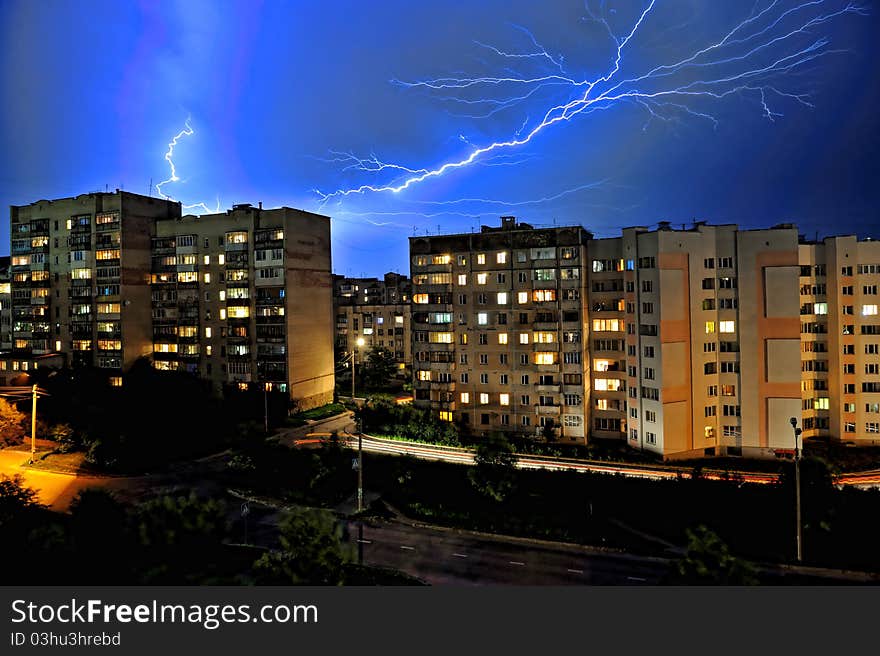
(777,123)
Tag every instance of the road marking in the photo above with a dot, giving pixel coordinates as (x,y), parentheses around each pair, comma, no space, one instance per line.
(516,562)
(576,571)
(460,555)
(365,541)
(403,546)
(636,578)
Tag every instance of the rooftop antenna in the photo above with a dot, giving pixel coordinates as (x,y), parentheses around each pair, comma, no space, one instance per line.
(150,188)
(438,228)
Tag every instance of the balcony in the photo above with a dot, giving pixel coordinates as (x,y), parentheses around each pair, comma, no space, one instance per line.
(552,389)
(548,410)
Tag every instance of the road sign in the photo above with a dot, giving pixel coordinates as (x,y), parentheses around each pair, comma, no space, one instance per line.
(354,463)
(245,509)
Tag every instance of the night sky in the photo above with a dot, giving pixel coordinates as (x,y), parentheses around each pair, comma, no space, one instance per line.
(777,123)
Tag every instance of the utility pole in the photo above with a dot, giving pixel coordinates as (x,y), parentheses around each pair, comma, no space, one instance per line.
(360,493)
(34,425)
(266,407)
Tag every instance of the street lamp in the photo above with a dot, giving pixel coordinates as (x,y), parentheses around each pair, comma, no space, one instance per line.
(360,343)
(797,486)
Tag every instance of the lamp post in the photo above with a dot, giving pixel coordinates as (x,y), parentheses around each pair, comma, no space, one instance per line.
(266,387)
(797,486)
(360,342)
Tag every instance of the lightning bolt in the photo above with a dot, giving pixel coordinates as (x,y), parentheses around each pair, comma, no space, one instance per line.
(187,131)
(744,63)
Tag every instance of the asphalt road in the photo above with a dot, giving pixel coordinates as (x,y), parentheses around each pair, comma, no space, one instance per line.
(449,557)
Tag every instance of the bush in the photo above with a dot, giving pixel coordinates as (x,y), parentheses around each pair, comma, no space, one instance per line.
(385,417)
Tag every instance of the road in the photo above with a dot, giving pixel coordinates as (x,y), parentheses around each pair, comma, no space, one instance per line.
(465,456)
(450,557)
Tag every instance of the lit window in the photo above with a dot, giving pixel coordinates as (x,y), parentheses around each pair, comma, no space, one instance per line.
(239,237)
(222,295)
(544,357)
(818,308)
(602,325)
(544,295)
(482,318)
(725,326)
(207,331)
(207,259)
(116,381)
(238,312)
(207,278)
(601,365)
(868,310)
(465,397)
(221,259)
(820,404)
(502,298)
(420,298)
(504,399)
(222,314)
(462,279)
(441,338)
(424,375)
(502,338)
(606,384)
(208,349)
(710,327)
(544,338)
(501,258)
(445,415)
(482,278)
(398,320)
(441,259)
(484,398)
(523,338)
(481,258)
(522,297)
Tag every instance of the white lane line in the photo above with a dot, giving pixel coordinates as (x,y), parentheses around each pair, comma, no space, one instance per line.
(365,541)
(636,578)
(515,562)
(403,546)
(576,571)
(457,555)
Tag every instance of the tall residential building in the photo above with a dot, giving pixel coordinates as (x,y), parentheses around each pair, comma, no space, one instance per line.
(679,342)
(378,311)
(80,277)
(840,339)
(695,339)
(241,298)
(5,305)
(499,328)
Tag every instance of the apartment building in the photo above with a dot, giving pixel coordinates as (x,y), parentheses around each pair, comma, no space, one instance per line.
(499,328)
(679,342)
(5,305)
(241,298)
(80,277)
(840,339)
(377,311)
(695,339)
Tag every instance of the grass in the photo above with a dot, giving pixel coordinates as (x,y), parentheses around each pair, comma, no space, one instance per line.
(315,414)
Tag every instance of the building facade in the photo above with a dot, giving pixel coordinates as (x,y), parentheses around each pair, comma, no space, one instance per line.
(377,311)
(678,342)
(5,305)
(840,339)
(499,329)
(241,298)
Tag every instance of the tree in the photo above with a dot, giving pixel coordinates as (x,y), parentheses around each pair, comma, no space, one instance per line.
(494,470)
(379,367)
(548,430)
(12,423)
(708,561)
(311,551)
(181,537)
(15,499)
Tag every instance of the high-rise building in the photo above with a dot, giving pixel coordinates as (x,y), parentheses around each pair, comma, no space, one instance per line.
(376,311)
(679,342)
(840,339)
(241,298)
(5,305)
(498,328)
